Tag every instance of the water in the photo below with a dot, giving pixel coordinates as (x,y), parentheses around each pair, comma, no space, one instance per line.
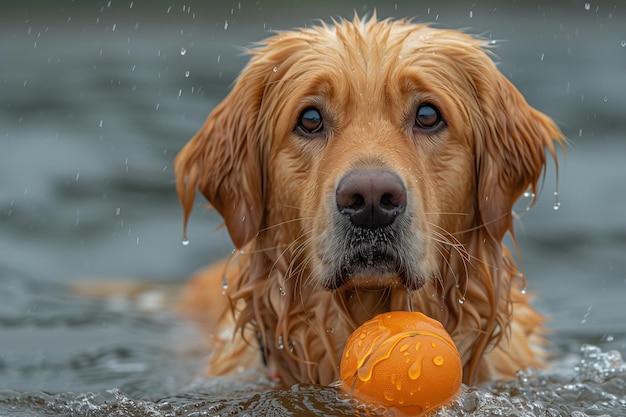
(95,101)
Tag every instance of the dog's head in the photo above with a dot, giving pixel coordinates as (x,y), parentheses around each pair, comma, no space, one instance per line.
(370,150)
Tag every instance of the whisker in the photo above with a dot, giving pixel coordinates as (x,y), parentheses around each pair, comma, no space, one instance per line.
(260,250)
(282,254)
(446,213)
(298,266)
(297,219)
(440,277)
(474,228)
(265,229)
(465,257)
(289,206)
(456,242)
(480,226)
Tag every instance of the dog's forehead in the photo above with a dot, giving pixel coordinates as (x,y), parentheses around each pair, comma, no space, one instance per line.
(398,36)
(350,45)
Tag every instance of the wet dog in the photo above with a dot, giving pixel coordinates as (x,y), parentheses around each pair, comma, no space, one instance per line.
(363,167)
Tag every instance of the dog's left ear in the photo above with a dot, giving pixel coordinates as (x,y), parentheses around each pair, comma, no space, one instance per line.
(511,145)
(224,162)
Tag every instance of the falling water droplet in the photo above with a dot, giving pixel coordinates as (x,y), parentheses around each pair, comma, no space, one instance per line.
(225,282)
(557,203)
(187,74)
(608,338)
(280,345)
(587,6)
(623,43)
(185,241)
(586,315)
(183,51)
(524,290)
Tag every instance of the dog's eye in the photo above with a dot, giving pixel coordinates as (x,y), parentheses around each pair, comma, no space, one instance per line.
(428,117)
(310,120)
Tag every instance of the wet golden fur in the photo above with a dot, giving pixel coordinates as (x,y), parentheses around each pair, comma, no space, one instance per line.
(275,186)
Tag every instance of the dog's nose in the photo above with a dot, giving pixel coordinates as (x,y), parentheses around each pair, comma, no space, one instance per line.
(371,198)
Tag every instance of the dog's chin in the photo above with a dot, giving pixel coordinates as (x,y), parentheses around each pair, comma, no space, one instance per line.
(374,277)
(372,258)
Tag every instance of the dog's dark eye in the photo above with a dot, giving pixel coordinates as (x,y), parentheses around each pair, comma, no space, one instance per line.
(310,120)
(428,117)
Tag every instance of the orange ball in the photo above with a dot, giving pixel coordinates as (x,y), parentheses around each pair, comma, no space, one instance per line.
(404,360)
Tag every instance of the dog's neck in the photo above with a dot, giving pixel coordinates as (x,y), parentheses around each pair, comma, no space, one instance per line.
(360,305)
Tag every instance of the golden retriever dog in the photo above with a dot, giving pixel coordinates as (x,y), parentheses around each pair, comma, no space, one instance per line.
(360,167)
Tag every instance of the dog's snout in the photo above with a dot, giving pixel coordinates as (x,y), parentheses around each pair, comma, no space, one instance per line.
(372,198)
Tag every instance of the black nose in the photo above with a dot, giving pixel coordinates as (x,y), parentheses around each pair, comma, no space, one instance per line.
(371,198)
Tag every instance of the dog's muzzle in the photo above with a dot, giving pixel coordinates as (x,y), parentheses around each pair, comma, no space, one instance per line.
(371,204)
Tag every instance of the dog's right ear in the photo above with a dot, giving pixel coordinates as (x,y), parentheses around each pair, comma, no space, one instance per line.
(224,161)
